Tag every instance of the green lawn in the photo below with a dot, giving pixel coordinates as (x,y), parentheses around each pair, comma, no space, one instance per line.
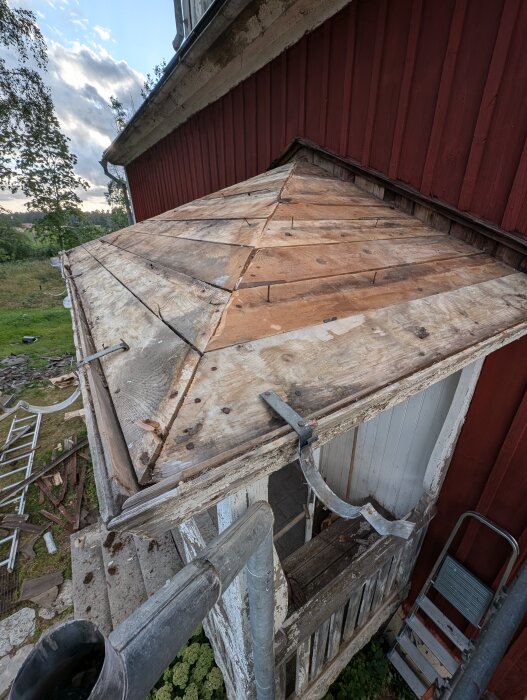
(31,294)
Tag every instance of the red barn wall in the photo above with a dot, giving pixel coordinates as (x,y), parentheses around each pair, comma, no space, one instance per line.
(488,473)
(430,92)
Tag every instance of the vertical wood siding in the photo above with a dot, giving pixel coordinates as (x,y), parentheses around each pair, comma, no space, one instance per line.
(428,92)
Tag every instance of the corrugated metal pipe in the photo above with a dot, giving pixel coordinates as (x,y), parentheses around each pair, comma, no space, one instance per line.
(494,641)
(77,661)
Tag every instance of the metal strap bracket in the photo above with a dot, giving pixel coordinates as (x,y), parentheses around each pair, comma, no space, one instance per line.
(291,417)
(101,353)
(397,528)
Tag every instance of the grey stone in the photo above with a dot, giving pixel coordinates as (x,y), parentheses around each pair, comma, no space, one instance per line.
(15,629)
(9,667)
(63,602)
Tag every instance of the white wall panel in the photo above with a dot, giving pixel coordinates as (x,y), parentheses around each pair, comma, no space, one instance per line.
(386,457)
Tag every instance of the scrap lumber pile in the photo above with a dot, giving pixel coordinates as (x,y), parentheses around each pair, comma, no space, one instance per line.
(61,490)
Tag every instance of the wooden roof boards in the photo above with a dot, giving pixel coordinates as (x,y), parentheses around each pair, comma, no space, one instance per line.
(294,281)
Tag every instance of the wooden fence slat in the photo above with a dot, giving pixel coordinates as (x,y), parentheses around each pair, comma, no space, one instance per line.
(351,615)
(302,665)
(396,559)
(335,632)
(380,588)
(320,640)
(365,606)
(280,680)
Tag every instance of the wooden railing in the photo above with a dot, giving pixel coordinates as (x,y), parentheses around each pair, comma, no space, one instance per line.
(320,638)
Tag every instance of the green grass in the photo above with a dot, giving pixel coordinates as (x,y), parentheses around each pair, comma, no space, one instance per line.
(51,326)
(30,284)
(31,304)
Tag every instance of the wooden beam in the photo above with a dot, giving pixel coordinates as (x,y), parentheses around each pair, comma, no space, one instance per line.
(437,466)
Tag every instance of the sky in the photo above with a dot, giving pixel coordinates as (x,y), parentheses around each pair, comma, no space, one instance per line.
(97,48)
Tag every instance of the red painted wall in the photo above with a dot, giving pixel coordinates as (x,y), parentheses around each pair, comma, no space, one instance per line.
(488,473)
(430,92)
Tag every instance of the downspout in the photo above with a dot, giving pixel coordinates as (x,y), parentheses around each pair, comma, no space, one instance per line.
(124,187)
(77,660)
(260,587)
(495,639)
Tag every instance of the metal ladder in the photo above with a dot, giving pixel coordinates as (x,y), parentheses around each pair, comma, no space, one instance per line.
(426,624)
(16,460)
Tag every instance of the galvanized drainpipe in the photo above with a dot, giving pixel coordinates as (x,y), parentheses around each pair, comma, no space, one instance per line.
(77,660)
(475,677)
(260,587)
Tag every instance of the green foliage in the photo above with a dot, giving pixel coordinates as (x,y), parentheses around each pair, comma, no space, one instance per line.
(152,80)
(120,114)
(34,153)
(17,244)
(370,676)
(193,675)
(66,228)
(31,142)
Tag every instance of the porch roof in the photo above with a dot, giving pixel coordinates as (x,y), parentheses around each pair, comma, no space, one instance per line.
(294,281)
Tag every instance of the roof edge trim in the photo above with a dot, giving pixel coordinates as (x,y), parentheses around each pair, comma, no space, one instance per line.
(233,40)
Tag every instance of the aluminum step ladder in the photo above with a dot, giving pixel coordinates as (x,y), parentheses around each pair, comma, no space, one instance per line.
(16,464)
(419,654)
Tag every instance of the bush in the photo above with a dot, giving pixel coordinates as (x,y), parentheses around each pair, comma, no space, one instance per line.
(20,245)
(370,676)
(193,674)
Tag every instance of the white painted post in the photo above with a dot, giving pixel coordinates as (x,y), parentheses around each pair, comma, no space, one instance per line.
(439,461)
(227,626)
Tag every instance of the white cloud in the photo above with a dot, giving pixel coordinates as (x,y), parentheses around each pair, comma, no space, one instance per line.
(81,22)
(81,81)
(102,32)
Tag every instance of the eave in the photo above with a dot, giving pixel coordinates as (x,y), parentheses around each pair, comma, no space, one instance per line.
(234,39)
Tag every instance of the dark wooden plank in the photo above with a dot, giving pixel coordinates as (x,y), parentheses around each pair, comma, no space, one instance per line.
(37,586)
(320,642)
(303,654)
(335,633)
